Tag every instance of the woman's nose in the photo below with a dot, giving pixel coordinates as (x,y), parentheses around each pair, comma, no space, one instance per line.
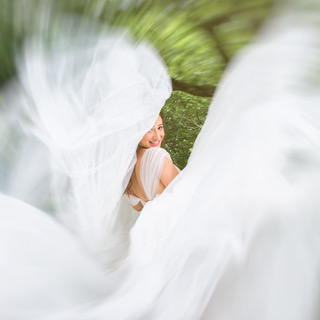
(156,134)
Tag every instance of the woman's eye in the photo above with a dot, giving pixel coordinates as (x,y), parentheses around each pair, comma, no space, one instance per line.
(161,127)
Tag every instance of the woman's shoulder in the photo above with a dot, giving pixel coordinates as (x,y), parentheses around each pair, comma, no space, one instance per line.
(157,162)
(169,172)
(151,163)
(156,153)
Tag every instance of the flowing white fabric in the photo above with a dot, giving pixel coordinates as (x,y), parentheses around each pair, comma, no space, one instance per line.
(90,96)
(236,235)
(43,267)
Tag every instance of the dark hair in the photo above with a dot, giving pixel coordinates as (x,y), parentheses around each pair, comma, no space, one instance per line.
(162,117)
(129,186)
(164,125)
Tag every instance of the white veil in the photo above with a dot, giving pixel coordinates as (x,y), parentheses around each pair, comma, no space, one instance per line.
(91,96)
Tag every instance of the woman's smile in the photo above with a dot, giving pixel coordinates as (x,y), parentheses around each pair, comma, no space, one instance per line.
(155,143)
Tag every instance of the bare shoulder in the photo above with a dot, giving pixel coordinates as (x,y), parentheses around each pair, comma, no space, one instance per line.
(169,172)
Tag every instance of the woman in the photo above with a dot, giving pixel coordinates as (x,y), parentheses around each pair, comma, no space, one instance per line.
(154,169)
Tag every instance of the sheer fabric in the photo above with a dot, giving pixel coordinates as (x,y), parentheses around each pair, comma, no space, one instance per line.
(134,200)
(151,167)
(90,105)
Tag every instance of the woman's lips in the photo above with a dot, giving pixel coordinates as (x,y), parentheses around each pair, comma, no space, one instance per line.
(155,143)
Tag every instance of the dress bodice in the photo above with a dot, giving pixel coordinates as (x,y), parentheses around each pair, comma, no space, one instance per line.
(151,166)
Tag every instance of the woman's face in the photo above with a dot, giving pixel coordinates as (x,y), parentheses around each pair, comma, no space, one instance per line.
(153,137)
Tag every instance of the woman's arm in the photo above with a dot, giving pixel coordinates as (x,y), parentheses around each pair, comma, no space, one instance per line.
(169,172)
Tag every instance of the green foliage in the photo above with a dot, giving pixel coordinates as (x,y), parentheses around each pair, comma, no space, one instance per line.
(196,39)
(184,115)
(188,51)
(7,44)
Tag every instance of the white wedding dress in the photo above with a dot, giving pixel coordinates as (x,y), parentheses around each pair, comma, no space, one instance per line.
(235,236)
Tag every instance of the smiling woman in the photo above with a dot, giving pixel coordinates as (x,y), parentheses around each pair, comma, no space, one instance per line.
(154,169)
(154,137)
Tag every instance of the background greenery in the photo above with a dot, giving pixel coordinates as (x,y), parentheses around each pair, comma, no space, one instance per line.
(196,38)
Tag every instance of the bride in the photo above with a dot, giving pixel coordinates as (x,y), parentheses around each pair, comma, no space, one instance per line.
(235,235)
(154,169)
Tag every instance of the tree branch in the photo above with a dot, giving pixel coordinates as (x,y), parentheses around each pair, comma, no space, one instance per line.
(196,90)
